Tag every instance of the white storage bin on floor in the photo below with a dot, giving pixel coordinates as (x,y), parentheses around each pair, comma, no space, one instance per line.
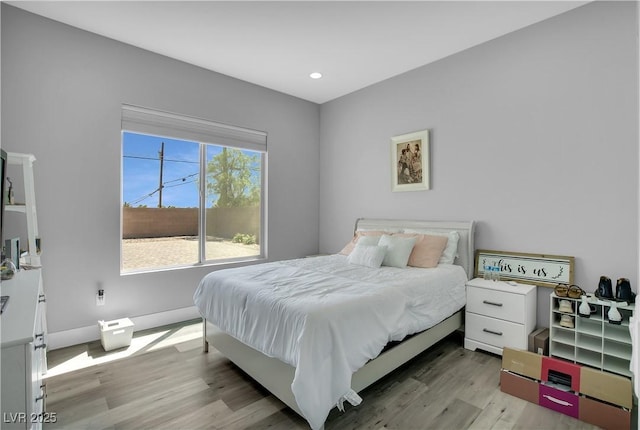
(115,334)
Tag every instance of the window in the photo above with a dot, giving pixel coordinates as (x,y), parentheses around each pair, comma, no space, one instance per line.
(171,217)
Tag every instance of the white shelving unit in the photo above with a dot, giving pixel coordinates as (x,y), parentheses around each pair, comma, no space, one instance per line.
(29,206)
(593,341)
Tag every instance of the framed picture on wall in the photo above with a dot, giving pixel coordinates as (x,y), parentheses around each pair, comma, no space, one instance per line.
(410,162)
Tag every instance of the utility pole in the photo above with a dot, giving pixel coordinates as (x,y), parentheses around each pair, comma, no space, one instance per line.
(161,154)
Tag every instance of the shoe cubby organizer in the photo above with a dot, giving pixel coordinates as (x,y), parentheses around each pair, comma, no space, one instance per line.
(592,341)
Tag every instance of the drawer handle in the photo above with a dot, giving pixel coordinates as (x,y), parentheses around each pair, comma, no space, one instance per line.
(42,298)
(41,397)
(42,345)
(41,335)
(558,401)
(486,330)
(487,302)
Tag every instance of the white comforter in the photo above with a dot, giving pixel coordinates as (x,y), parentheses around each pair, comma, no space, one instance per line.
(326,317)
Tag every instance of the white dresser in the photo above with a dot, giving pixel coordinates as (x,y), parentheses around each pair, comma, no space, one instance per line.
(498,315)
(634,329)
(23,341)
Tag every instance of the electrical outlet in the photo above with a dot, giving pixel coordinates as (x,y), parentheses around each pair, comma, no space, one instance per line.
(100,298)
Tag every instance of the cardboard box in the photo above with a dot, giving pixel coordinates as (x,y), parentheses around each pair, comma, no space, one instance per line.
(606,416)
(539,341)
(570,370)
(522,362)
(522,371)
(115,334)
(519,386)
(605,386)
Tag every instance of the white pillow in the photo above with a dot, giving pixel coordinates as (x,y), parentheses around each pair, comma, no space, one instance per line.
(450,251)
(368,240)
(367,255)
(399,250)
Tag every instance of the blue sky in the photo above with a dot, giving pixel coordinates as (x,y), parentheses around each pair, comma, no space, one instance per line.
(141,171)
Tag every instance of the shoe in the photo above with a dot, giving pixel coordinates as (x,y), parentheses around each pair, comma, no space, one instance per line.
(575,292)
(565,307)
(561,290)
(566,321)
(571,291)
(623,291)
(585,309)
(613,315)
(604,291)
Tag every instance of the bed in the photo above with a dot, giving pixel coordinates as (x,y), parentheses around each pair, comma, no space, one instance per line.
(316,331)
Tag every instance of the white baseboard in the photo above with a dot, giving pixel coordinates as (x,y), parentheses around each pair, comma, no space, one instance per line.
(79,335)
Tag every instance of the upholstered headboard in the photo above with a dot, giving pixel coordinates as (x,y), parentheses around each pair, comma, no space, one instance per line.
(465,229)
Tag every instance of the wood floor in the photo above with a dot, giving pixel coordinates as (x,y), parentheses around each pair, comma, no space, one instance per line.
(180,387)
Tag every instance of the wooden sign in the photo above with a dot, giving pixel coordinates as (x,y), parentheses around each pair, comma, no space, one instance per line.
(537,269)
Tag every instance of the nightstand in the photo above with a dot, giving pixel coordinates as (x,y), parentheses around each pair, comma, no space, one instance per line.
(498,315)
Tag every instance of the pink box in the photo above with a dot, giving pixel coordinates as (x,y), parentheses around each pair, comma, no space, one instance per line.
(560,401)
(570,369)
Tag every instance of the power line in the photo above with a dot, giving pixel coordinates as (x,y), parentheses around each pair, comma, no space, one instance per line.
(139,199)
(158,159)
(161,183)
(177,185)
(164,185)
(183,178)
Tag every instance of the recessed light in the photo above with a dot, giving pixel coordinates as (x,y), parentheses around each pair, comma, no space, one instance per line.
(315,75)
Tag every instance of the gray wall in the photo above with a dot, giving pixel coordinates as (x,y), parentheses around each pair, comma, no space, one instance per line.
(62,89)
(534,135)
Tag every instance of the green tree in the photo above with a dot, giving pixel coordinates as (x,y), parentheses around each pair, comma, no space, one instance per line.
(230,175)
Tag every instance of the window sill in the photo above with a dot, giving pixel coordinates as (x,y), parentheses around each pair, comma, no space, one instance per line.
(216,265)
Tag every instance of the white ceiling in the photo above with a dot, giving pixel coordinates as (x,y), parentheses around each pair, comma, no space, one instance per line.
(278,44)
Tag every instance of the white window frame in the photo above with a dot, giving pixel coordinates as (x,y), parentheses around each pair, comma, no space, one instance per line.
(153,122)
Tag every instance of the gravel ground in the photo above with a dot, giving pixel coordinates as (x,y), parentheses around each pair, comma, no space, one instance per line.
(177,251)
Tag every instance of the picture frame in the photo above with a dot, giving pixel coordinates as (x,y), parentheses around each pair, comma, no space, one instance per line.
(543,270)
(410,162)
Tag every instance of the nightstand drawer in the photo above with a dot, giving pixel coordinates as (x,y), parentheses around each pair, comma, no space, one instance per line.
(495,332)
(496,304)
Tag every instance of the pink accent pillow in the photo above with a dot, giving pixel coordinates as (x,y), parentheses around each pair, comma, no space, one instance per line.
(349,246)
(427,250)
